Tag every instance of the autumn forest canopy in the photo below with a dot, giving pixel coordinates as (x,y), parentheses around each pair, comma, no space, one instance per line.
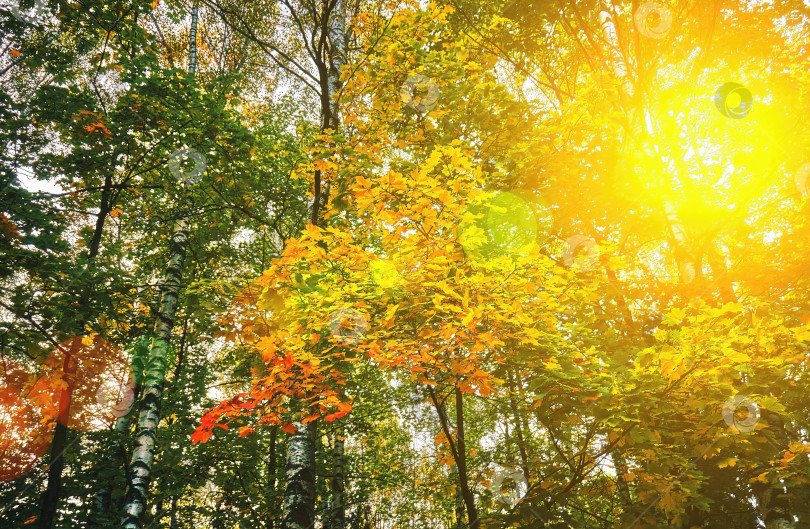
(400,264)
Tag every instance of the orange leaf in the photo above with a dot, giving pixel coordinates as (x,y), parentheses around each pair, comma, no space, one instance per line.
(289,428)
(200,436)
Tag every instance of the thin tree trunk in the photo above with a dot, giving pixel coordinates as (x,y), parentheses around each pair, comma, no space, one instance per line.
(338,509)
(620,466)
(327,515)
(143,454)
(524,458)
(103,498)
(459,510)
(174,513)
(271,475)
(192,38)
(298,510)
(469,500)
(337,58)
(688,265)
(773,502)
(717,261)
(329,72)
(458,451)
(773,506)
(56,464)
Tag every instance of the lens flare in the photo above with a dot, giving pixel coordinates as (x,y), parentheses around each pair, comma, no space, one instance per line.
(501,224)
(25,432)
(88,382)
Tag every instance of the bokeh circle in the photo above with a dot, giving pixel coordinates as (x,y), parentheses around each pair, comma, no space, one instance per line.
(500,224)
(39,8)
(801,179)
(420,92)
(733,100)
(348,325)
(88,382)
(176,161)
(653,20)
(25,431)
(513,495)
(730,409)
(580,253)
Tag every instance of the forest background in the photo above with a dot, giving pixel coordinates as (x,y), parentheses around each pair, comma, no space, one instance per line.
(354,265)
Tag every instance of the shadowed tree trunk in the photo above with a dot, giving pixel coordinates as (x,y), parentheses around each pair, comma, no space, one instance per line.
(102,501)
(773,506)
(338,509)
(298,511)
(519,427)
(271,476)
(773,501)
(458,451)
(56,463)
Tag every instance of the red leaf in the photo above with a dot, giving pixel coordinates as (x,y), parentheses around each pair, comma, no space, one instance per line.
(289,428)
(201,436)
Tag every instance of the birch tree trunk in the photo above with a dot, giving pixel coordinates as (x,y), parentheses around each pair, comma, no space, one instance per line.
(103,498)
(298,511)
(143,454)
(338,509)
(192,38)
(299,499)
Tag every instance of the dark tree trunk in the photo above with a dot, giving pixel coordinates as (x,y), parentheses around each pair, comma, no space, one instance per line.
(458,451)
(298,511)
(56,464)
(174,513)
(773,502)
(103,498)
(524,458)
(338,509)
(271,476)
